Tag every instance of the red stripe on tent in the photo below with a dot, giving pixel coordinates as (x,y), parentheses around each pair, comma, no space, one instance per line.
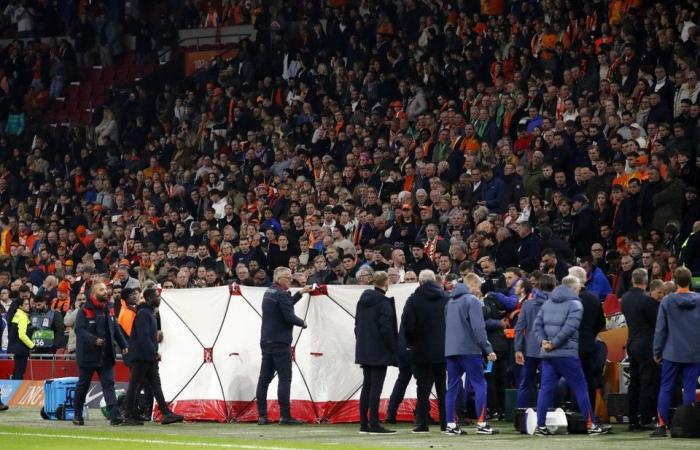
(240,411)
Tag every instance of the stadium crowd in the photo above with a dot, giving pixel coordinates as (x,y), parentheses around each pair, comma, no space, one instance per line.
(511,139)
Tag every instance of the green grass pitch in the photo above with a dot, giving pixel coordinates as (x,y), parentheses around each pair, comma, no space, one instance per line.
(24,430)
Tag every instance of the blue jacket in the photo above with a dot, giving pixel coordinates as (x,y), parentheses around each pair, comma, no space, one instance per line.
(143,341)
(465,330)
(493,191)
(525,336)
(598,283)
(678,328)
(92,323)
(558,322)
(278,318)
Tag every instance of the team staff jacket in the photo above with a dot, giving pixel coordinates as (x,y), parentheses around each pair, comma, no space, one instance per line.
(279,318)
(558,322)
(143,341)
(96,321)
(525,337)
(678,328)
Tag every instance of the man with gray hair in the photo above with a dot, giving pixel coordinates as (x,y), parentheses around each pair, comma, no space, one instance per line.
(640,311)
(278,321)
(556,328)
(423,322)
(592,323)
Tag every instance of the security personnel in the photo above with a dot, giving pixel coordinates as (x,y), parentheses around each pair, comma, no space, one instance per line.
(48,330)
(278,321)
(676,345)
(557,327)
(640,311)
(97,338)
(143,358)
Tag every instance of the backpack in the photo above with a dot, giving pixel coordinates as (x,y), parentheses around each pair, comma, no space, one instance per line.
(686,422)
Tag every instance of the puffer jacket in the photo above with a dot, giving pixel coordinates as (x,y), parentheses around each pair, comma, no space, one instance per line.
(558,322)
(465,329)
(423,321)
(525,335)
(677,328)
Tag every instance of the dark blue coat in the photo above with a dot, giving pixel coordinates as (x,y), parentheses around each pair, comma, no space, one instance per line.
(376,335)
(90,324)
(278,318)
(529,252)
(143,342)
(423,320)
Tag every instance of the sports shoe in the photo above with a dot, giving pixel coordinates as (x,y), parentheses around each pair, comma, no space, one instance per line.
(542,432)
(78,421)
(595,430)
(454,431)
(485,429)
(130,421)
(263,421)
(380,430)
(171,417)
(420,429)
(659,432)
(3,407)
(291,421)
(364,429)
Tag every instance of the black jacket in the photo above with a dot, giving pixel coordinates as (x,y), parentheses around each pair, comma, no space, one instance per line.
(278,318)
(376,335)
(92,323)
(143,342)
(423,320)
(640,312)
(592,322)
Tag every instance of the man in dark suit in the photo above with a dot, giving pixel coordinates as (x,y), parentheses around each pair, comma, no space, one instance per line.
(423,319)
(278,321)
(640,311)
(592,323)
(97,338)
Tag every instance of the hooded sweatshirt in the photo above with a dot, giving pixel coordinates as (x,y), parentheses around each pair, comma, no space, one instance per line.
(558,322)
(525,336)
(465,330)
(678,328)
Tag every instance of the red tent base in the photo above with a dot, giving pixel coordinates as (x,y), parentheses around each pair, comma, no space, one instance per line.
(306,410)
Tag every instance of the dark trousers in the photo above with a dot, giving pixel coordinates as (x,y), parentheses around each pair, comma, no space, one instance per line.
(670,372)
(372,384)
(275,358)
(552,370)
(497,383)
(426,375)
(144,375)
(20,367)
(592,374)
(643,389)
(106,375)
(405,375)
(527,388)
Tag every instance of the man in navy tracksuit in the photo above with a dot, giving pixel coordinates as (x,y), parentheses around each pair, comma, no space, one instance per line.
(527,347)
(557,327)
(466,344)
(676,345)
(278,321)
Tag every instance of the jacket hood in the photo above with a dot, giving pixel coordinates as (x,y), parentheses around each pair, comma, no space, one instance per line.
(430,291)
(459,290)
(540,297)
(371,297)
(687,301)
(562,294)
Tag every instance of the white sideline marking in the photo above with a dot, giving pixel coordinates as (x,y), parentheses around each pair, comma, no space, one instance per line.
(148,441)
